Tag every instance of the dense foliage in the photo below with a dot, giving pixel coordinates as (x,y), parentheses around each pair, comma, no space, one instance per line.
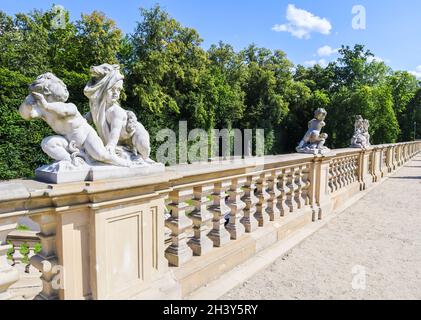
(170,77)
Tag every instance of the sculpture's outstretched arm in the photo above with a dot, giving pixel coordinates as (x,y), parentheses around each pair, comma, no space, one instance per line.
(59,108)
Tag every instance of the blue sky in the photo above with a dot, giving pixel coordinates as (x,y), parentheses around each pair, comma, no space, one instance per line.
(393,28)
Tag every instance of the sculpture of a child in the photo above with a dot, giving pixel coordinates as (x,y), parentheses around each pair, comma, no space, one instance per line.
(314,140)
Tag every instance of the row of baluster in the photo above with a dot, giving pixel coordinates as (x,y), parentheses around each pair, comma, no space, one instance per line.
(342,172)
(225,209)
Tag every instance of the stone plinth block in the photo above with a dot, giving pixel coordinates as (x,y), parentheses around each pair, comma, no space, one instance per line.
(58,172)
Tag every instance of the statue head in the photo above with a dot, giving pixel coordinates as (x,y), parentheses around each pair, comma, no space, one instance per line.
(53,89)
(99,72)
(113,94)
(106,80)
(320,114)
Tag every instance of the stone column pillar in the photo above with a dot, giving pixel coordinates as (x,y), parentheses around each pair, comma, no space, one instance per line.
(366,165)
(321,186)
(377,164)
(8,274)
(390,159)
(399,148)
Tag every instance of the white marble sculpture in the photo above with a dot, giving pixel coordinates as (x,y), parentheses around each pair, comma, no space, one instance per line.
(118,128)
(361,137)
(78,150)
(313,141)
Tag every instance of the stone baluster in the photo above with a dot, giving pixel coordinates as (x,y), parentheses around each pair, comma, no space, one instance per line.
(349,170)
(261,214)
(8,274)
(342,173)
(292,204)
(331,178)
(219,235)
(282,201)
(396,157)
(306,187)
(355,169)
(400,154)
(274,193)
(336,178)
(249,221)
(298,173)
(235,228)
(345,171)
(179,252)
(47,259)
(201,243)
(389,159)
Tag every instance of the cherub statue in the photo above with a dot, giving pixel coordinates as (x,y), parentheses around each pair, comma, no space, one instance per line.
(77,143)
(361,137)
(313,141)
(118,128)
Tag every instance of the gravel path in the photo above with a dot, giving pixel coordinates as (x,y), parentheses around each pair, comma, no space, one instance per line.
(370,251)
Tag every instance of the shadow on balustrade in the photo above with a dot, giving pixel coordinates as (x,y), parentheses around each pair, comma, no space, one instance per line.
(407,178)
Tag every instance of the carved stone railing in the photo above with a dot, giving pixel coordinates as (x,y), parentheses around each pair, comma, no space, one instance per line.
(107,239)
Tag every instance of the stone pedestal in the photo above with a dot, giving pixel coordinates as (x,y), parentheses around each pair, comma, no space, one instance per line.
(58,172)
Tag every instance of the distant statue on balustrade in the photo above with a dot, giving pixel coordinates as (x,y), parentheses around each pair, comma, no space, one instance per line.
(313,141)
(361,137)
(119,129)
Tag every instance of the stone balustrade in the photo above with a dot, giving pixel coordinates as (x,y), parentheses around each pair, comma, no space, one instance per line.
(106,239)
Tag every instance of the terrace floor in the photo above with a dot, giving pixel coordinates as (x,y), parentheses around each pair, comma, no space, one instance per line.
(371,250)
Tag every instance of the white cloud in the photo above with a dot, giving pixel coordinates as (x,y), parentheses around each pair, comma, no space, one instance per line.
(326,51)
(321,62)
(416,72)
(302,23)
(377,59)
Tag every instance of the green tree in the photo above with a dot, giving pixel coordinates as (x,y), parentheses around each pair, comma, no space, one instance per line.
(404,87)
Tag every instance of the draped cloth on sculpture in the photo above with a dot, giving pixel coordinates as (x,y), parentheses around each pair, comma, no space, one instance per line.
(96,91)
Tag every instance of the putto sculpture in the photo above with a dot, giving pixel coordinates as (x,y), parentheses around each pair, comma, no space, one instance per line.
(80,153)
(361,137)
(313,141)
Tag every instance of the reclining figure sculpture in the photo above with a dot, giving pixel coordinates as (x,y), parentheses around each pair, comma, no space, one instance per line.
(80,153)
(77,143)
